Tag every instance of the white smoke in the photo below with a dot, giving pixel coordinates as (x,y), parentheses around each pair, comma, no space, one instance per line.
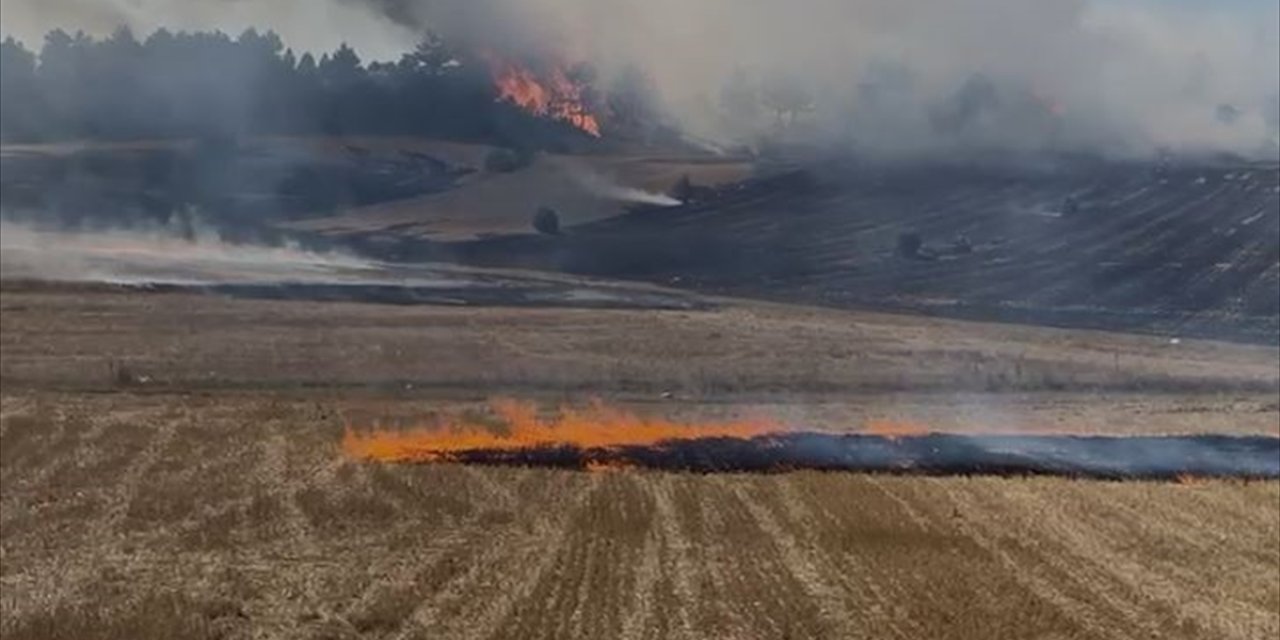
(159,257)
(604,187)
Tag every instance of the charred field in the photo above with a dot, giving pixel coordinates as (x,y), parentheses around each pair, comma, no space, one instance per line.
(1106,458)
(1188,249)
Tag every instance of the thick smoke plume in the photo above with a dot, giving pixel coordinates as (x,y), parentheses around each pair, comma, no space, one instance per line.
(884,76)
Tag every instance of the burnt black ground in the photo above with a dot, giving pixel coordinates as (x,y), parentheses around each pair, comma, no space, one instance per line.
(1141,457)
(1180,250)
(545,295)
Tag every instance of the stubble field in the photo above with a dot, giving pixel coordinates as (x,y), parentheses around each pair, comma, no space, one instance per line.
(169,467)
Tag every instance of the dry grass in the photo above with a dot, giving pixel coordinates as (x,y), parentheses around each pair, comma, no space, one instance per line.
(212,502)
(483,203)
(504,203)
(83,338)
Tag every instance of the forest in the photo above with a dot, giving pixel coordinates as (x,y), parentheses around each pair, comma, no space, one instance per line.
(209,84)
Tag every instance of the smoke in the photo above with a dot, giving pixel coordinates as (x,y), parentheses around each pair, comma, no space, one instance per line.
(161,256)
(1126,76)
(605,187)
(885,76)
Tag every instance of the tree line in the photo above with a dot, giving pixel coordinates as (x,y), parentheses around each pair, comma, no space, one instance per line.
(197,84)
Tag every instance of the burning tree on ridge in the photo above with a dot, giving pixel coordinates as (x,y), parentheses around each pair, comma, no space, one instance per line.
(159,87)
(557,92)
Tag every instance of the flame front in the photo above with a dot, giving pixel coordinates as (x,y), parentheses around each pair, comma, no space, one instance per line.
(551,94)
(602,439)
(595,427)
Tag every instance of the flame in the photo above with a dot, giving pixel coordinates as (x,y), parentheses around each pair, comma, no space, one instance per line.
(597,426)
(599,438)
(551,94)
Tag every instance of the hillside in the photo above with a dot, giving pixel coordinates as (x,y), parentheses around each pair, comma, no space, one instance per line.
(1182,249)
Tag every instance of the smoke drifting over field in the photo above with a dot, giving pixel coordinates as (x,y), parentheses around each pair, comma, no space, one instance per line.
(158,259)
(158,256)
(888,76)
(608,188)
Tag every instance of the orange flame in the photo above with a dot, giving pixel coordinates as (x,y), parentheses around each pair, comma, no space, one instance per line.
(596,426)
(554,95)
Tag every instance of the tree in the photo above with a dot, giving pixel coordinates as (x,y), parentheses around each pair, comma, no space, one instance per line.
(431,57)
(198,84)
(786,98)
(62,73)
(20,109)
(113,80)
(910,244)
(342,68)
(976,97)
(547,221)
(683,188)
(307,65)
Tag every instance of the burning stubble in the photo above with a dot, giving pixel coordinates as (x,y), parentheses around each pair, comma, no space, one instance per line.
(602,438)
(519,427)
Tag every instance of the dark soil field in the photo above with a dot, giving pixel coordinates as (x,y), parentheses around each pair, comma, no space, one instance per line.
(1188,247)
(1178,250)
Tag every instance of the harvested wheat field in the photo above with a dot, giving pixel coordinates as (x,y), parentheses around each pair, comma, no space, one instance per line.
(171,466)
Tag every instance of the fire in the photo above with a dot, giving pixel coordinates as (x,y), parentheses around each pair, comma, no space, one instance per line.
(551,94)
(597,426)
(599,438)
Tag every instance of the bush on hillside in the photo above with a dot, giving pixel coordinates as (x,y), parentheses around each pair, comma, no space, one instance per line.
(547,221)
